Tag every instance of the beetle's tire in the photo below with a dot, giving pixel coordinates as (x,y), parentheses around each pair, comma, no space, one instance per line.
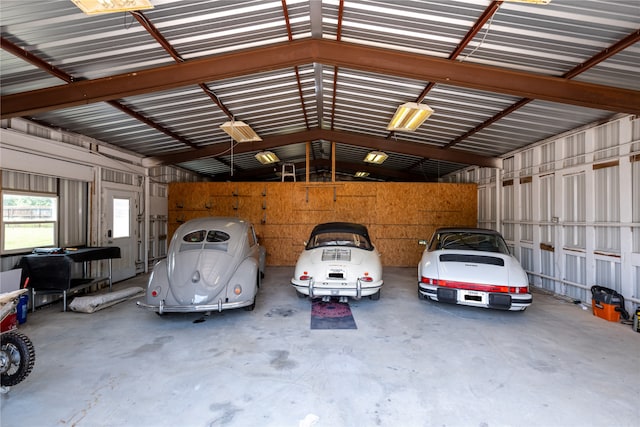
(375,296)
(252,306)
(17,349)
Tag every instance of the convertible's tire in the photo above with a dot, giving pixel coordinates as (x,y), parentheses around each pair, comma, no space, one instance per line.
(375,296)
(18,357)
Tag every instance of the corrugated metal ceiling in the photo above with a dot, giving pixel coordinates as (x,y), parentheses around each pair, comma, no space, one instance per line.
(49,44)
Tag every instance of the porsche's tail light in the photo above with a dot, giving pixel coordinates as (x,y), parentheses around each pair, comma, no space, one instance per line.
(366,279)
(475,286)
(305,276)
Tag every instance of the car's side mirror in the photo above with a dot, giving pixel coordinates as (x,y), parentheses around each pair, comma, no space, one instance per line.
(422,242)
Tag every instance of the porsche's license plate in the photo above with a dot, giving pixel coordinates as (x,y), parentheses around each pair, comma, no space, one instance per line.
(472,296)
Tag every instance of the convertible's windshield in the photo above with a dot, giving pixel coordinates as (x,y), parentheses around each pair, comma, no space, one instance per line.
(339,239)
(469,242)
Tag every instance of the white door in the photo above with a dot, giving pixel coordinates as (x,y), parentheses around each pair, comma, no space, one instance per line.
(121,229)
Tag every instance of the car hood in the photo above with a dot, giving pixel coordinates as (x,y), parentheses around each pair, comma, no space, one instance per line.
(197,277)
(477,267)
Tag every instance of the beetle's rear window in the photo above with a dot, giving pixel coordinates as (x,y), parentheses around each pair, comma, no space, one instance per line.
(215,236)
(195,236)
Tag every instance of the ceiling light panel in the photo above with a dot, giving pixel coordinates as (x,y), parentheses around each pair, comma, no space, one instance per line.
(95,7)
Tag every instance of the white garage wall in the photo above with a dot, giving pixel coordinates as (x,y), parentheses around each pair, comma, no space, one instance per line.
(570,208)
(34,157)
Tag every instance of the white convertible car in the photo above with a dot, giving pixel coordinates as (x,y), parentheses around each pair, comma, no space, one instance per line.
(213,264)
(338,261)
(472,266)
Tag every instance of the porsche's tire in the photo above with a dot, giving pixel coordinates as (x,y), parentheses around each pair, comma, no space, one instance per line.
(17,357)
(375,296)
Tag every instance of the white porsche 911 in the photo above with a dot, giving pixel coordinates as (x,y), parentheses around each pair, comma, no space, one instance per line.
(472,266)
(338,261)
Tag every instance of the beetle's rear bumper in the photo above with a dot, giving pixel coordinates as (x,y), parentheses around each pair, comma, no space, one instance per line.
(219,306)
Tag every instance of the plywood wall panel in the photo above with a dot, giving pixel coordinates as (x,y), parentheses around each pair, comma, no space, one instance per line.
(283,213)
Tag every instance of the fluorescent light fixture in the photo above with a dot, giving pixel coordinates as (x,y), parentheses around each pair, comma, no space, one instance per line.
(409,117)
(267,157)
(240,131)
(95,7)
(361,174)
(376,157)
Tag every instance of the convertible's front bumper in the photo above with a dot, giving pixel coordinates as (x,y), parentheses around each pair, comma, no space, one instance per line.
(497,300)
(337,288)
(219,306)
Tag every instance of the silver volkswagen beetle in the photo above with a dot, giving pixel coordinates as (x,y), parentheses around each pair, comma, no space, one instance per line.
(213,263)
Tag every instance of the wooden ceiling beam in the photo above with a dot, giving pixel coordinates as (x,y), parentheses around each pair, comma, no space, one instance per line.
(337,54)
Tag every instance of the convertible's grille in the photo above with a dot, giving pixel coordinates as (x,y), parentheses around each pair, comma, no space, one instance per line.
(336,255)
(474,259)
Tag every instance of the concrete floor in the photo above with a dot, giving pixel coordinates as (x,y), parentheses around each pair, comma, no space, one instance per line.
(408,363)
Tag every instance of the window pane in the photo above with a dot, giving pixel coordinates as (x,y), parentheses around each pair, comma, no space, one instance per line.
(120,218)
(20,236)
(26,208)
(29,221)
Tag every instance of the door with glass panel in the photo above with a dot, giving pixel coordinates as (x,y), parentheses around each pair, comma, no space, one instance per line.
(120,229)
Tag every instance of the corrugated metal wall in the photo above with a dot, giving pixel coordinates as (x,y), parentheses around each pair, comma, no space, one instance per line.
(571,209)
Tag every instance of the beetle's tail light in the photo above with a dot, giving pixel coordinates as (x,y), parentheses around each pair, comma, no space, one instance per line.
(155,292)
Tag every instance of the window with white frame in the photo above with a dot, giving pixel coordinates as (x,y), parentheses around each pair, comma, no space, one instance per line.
(607,138)
(526,162)
(547,194)
(547,267)
(576,272)
(608,274)
(29,220)
(635,203)
(574,149)
(607,208)
(526,209)
(508,213)
(547,156)
(575,208)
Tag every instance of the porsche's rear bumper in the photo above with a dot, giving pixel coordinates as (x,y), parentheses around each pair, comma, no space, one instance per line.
(354,290)
(496,300)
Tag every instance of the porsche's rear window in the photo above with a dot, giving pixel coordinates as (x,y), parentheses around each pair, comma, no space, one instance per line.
(339,239)
(469,241)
